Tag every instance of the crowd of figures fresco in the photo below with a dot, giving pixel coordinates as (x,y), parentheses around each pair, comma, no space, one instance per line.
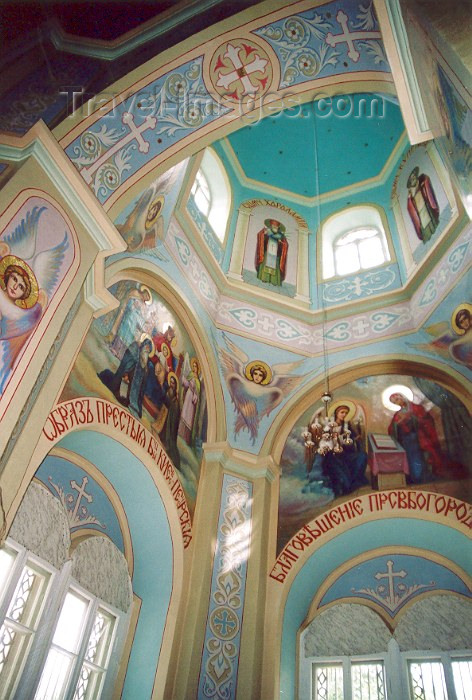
(394,425)
(141,357)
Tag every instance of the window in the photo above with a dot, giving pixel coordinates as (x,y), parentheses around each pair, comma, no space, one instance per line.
(441,676)
(24,585)
(431,676)
(212,193)
(359,249)
(201,193)
(353,240)
(69,659)
(349,680)
(80,650)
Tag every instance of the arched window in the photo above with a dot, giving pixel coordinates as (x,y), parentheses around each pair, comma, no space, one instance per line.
(353,240)
(212,193)
(62,627)
(201,192)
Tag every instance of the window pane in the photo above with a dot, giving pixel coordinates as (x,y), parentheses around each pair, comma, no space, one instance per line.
(368,681)
(202,202)
(427,680)
(328,682)
(346,258)
(462,672)
(371,253)
(7,559)
(71,620)
(357,235)
(89,684)
(55,676)
(100,638)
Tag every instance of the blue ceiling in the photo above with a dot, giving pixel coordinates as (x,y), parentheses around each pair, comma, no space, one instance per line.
(320,146)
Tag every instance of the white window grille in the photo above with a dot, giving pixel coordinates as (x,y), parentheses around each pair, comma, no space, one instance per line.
(24,586)
(53,660)
(349,679)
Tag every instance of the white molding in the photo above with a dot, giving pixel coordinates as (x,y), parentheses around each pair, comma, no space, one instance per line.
(397,47)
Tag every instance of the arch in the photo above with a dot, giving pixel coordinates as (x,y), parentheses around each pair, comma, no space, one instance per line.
(96,474)
(111,450)
(354,369)
(148,274)
(292,599)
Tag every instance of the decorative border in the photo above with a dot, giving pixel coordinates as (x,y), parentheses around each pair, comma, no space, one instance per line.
(219,666)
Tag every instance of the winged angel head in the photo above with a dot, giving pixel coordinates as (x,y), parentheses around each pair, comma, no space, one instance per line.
(29,275)
(255,388)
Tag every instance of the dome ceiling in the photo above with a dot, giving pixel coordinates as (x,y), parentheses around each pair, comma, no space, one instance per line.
(320,146)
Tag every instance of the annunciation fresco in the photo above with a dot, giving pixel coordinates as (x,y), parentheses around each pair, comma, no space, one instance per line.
(141,357)
(36,251)
(383,431)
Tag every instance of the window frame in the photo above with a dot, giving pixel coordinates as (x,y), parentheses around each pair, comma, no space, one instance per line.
(445,657)
(309,664)
(339,224)
(29,673)
(212,170)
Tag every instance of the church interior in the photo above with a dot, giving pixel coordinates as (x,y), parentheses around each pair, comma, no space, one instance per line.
(236,350)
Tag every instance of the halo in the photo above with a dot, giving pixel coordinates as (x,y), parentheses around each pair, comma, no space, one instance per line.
(264,366)
(343,402)
(30,300)
(395,389)
(462,307)
(173,374)
(145,336)
(164,344)
(415,172)
(159,203)
(195,359)
(145,288)
(281,226)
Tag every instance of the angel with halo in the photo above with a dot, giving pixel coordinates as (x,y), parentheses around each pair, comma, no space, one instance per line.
(28,278)
(255,388)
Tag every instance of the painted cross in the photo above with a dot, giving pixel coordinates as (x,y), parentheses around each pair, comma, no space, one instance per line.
(360,326)
(241,72)
(348,37)
(135,133)
(80,494)
(390,575)
(225,623)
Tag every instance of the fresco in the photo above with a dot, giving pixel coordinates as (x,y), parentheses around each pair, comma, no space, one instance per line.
(36,251)
(255,387)
(456,119)
(421,202)
(144,222)
(391,430)
(141,357)
(271,251)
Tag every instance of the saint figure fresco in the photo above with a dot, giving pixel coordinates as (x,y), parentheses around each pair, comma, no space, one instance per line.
(422,205)
(340,467)
(271,252)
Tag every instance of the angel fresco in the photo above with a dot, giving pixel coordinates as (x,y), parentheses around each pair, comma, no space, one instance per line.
(28,279)
(454,340)
(255,388)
